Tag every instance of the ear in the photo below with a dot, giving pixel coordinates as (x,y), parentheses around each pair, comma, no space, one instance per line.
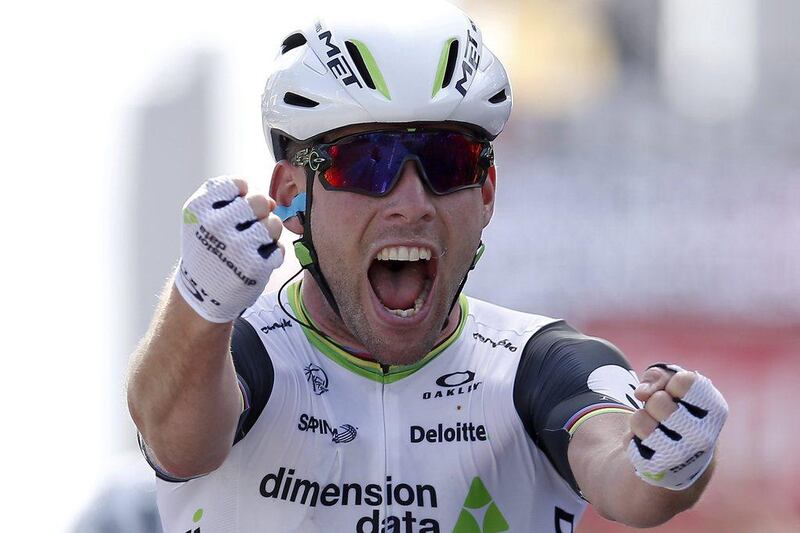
(287,182)
(488,194)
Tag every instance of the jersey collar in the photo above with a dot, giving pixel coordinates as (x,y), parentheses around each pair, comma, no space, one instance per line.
(369,369)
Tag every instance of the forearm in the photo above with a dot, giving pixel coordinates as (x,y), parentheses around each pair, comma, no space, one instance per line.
(182,389)
(598,456)
(623,497)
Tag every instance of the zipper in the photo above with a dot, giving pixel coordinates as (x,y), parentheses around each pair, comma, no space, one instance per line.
(385,447)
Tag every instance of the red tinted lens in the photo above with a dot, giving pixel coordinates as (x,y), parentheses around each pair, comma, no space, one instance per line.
(452,161)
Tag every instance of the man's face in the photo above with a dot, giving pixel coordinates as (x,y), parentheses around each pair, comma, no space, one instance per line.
(397,308)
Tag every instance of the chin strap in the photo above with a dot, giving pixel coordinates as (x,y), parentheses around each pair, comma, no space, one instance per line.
(307,256)
(304,246)
(478,255)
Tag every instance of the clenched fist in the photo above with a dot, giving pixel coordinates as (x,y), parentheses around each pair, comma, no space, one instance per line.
(229,248)
(672,439)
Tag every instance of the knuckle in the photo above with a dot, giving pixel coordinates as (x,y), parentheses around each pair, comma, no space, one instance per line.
(259,204)
(214,193)
(642,424)
(274,226)
(658,377)
(652,374)
(660,405)
(660,398)
(680,383)
(241,184)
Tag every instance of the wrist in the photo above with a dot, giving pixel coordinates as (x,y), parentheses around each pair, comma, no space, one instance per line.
(192,323)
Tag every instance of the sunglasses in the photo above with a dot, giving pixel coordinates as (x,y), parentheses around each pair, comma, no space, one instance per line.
(371,163)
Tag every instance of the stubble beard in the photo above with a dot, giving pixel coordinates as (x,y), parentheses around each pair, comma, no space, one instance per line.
(412,348)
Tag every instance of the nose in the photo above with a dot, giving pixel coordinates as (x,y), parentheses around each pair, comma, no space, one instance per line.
(410,200)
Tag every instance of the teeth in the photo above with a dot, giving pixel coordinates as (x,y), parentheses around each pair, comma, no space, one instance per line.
(408,253)
(418,303)
(404,253)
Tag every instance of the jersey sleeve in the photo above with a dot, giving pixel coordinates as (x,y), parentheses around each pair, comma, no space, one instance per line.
(254,371)
(563,379)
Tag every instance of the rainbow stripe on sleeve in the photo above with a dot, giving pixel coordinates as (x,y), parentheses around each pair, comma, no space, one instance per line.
(245,401)
(590,411)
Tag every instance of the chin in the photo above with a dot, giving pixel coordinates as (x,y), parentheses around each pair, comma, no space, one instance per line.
(396,346)
(407,356)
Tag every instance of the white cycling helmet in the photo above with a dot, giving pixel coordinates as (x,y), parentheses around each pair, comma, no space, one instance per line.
(358,66)
(423,63)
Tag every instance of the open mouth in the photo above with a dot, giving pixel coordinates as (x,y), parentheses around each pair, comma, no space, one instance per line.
(402,277)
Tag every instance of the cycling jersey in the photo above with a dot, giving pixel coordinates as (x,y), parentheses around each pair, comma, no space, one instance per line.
(471,438)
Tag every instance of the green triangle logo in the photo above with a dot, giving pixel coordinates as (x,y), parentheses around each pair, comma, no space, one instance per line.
(478,499)
(189,217)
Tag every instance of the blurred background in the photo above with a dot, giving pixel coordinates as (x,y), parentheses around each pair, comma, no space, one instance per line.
(648,192)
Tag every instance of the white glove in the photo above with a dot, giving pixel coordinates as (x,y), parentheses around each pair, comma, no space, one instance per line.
(227,253)
(680,449)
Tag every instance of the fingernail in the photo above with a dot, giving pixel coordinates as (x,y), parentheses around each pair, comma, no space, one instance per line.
(642,387)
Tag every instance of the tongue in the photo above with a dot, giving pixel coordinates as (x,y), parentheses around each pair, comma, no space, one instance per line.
(397,284)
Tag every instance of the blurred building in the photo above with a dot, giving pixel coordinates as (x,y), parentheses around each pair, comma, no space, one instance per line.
(173,149)
(657,206)
(622,200)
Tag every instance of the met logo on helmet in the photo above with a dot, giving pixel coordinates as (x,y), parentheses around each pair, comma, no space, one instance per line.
(472,58)
(338,63)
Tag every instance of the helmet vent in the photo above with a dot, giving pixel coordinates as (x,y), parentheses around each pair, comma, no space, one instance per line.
(292,42)
(299,101)
(452,56)
(358,59)
(499,97)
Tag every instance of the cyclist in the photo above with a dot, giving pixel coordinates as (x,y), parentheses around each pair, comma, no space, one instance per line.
(372,395)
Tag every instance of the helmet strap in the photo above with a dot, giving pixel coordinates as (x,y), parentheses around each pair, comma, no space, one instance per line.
(475,259)
(305,251)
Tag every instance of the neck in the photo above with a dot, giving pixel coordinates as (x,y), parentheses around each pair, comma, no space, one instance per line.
(331,324)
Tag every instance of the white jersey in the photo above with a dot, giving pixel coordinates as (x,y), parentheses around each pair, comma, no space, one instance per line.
(345,445)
